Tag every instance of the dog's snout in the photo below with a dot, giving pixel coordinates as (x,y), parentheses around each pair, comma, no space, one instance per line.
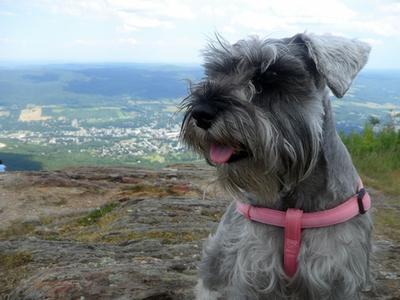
(204,115)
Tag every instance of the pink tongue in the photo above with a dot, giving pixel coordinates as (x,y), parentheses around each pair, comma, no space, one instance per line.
(220,154)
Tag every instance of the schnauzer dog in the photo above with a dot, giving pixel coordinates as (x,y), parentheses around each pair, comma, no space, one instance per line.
(262,117)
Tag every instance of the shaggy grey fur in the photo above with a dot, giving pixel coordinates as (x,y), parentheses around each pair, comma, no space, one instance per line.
(269,100)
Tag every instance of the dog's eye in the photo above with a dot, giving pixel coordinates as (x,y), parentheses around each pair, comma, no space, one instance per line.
(262,79)
(269,75)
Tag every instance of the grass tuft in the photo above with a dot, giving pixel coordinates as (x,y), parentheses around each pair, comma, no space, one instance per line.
(14,259)
(94,216)
(16,229)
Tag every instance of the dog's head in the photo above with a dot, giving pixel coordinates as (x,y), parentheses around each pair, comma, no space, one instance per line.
(258,114)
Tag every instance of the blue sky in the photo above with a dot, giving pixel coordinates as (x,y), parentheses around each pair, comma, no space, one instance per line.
(173,31)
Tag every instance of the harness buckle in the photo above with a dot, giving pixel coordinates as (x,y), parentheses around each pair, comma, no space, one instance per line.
(360,196)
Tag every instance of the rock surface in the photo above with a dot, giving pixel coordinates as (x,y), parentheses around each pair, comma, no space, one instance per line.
(128,233)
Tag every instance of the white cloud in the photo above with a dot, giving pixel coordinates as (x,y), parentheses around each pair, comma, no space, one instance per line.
(83,8)
(131,14)
(104,43)
(160,8)
(391,8)
(372,42)
(383,27)
(128,41)
(283,16)
(4,40)
(7,13)
(12,41)
(133,21)
(289,17)
(86,42)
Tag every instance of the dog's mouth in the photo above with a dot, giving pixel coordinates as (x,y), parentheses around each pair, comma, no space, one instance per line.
(222,154)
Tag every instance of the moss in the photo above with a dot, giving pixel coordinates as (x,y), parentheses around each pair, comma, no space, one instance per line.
(14,259)
(84,230)
(16,229)
(97,214)
(88,237)
(51,237)
(178,237)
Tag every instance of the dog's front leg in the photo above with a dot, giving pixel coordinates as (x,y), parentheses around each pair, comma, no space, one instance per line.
(217,260)
(203,293)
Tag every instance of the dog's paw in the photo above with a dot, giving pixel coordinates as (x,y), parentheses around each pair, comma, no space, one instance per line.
(203,293)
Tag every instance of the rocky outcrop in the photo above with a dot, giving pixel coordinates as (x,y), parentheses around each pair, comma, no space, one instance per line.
(124,233)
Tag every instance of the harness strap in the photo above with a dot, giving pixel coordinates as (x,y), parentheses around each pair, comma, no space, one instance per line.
(292,240)
(293,220)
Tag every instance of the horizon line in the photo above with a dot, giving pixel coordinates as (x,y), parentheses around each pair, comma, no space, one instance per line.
(29,63)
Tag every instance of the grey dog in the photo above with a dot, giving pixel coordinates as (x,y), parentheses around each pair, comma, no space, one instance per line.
(262,116)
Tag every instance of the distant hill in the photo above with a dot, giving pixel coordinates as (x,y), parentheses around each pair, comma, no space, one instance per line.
(135,81)
(83,84)
(90,84)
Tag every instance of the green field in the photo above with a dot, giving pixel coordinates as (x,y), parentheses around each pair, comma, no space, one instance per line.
(22,156)
(377,157)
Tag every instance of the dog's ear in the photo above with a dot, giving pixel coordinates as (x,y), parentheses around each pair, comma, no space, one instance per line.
(337,59)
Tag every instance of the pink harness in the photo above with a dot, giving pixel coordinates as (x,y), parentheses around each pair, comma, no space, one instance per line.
(293,220)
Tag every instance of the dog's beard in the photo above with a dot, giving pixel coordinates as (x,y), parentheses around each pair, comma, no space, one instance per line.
(263,163)
(252,137)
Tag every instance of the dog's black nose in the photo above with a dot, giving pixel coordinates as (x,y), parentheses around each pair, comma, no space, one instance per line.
(204,115)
